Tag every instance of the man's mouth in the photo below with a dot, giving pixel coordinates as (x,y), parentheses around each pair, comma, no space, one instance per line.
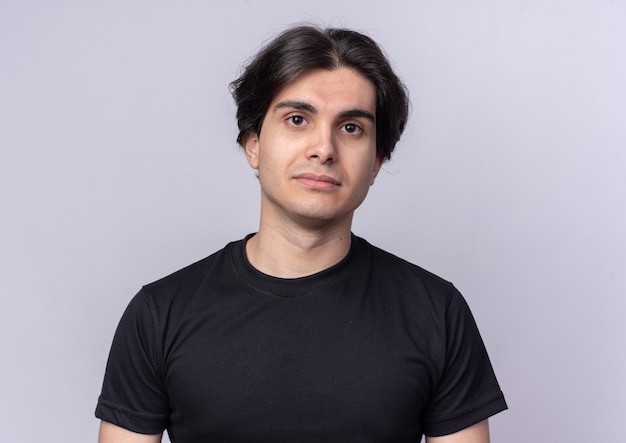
(317,181)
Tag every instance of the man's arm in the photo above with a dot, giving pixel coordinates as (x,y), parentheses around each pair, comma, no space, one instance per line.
(110,433)
(478,433)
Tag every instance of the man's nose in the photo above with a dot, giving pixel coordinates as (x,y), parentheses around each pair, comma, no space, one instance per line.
(323,146)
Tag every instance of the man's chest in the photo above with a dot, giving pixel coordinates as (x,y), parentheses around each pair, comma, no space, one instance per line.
(272,371)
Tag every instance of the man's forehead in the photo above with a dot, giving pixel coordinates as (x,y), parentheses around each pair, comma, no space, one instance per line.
(339,89)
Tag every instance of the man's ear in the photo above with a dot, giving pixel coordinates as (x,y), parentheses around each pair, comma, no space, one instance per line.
(251,148)
(378,163)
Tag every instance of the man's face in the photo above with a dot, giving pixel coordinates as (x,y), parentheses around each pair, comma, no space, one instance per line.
(316,152)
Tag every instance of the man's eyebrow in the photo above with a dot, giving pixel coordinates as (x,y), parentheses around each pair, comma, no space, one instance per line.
(304,106)
(356,113)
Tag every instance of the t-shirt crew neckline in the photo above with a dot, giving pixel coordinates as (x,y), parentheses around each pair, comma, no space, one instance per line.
(357,258)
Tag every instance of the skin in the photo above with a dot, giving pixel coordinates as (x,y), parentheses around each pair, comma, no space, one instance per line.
(478,433)
(316,159)
(110,433)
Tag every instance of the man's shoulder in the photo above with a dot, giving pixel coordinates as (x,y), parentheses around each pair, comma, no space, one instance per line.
(192,275)
(398,266)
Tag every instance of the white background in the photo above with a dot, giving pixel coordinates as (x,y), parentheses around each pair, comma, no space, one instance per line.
(118,165)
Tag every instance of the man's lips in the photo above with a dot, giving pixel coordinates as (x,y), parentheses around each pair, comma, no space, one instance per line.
(317,181)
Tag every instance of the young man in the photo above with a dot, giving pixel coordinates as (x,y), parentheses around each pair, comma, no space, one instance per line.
(304,332)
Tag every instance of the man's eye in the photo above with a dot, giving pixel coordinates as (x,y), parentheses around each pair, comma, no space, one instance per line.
(296,120)
(351,128)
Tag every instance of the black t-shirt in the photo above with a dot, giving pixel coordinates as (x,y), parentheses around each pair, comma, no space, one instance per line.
(373,349)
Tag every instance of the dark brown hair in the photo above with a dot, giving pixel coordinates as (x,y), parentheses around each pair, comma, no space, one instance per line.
(304,48)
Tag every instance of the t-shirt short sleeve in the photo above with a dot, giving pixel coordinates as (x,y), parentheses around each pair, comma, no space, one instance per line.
(467,391)
(133,395)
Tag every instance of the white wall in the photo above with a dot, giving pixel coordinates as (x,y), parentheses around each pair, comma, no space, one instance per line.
(118,165)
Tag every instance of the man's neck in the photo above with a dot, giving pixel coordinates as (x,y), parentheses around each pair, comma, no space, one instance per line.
(292,251)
